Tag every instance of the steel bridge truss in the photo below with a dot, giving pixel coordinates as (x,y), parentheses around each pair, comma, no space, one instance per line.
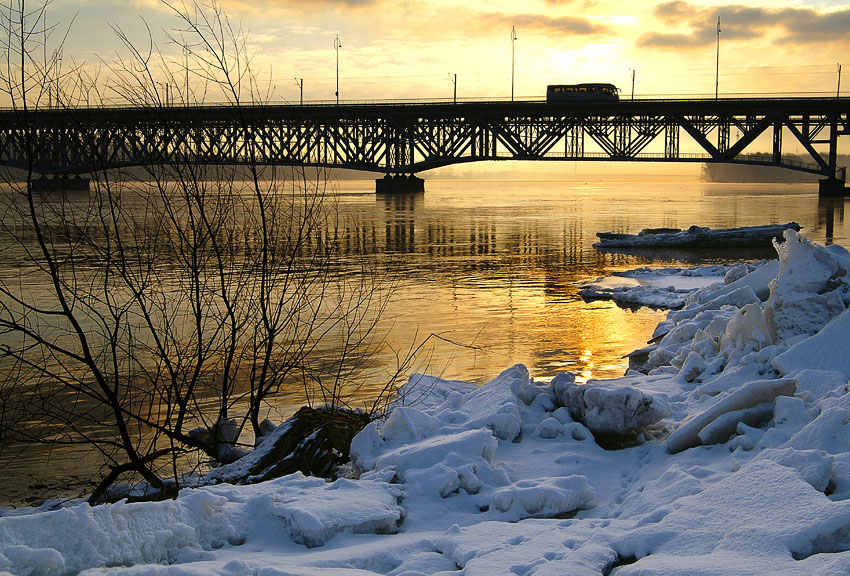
(397,139)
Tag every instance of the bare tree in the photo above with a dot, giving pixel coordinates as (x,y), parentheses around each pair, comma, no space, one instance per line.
(163,312)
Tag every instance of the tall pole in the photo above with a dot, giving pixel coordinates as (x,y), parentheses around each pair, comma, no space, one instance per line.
(717,63)
(58,74)
(838,90)
(513,42)
(453,78)
(300,83)
(337,46)
(186,56)
(633,82)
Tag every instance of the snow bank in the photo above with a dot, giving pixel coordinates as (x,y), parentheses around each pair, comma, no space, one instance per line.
(766,512)
(304,510)
(739,464)
(447,450)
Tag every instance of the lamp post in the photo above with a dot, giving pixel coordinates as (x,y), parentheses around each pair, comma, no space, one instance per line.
(337,46)
(453,79)
(513,43)
(838,90)
(632,70)
(717,63)
(300,83)
(186,56)
(58,75)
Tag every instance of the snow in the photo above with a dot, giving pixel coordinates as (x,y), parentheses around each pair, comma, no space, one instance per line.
(655,288)
(735,460)
(696,236)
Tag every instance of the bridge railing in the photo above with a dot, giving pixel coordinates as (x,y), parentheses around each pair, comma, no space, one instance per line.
(742,97)
(696,156)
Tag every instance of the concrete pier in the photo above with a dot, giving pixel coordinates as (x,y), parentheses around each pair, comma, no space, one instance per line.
(61,183)
(831,187)
(399,184)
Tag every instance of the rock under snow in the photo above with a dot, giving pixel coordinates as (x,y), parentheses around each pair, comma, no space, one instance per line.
(606,407)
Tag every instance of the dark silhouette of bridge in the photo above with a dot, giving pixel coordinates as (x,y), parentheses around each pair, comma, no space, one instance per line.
(403,139)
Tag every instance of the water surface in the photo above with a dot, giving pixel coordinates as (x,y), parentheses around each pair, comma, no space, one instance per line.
(493,268)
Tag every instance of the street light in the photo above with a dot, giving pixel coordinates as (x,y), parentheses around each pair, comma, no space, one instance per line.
(337,46)
(513,42)
(632,70)
(453,78)
(717,63)
(838,90)
(300,83)
(186,58)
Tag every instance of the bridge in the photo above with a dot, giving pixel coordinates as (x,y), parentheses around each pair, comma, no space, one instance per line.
(402,139)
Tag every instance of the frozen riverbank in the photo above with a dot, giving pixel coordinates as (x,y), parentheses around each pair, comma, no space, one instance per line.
(738,461)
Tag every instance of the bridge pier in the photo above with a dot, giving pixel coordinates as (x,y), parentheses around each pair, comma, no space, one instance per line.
(399,184)
(831,187)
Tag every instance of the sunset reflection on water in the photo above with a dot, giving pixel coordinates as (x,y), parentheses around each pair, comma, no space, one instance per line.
(495,266)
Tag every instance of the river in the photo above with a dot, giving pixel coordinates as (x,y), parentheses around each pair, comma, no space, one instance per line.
(492,267)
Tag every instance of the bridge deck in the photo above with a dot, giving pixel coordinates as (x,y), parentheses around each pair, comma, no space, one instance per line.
(409,137)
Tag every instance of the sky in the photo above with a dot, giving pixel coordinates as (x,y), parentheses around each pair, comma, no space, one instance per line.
(404,49)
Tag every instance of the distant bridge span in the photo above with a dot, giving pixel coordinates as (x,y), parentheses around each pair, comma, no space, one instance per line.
(407,138)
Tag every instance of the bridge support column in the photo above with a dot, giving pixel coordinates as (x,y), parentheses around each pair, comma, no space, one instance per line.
(399,184)
(832,187)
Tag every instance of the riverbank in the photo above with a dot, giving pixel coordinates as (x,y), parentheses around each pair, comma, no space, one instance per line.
(734,459)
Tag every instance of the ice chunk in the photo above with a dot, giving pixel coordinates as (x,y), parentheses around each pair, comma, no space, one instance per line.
(826,350)
(738,298)
(763,511)
(431,451)
(808,292)
(496,404)
(315,511)
(425,392)
(816,385)
(815,466)
(735,273)
(608,407)
(829,432)
(649,296)
(549,428)
(746,332)
(758,280)
(747,396)
(722,428)
(544,497)
(408,425)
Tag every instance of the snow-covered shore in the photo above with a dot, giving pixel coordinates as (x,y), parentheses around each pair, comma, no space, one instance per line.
(736,427)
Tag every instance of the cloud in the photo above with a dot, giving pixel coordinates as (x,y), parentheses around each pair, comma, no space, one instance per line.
(659,40)
(560,25)
(674,12)
(780,25)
